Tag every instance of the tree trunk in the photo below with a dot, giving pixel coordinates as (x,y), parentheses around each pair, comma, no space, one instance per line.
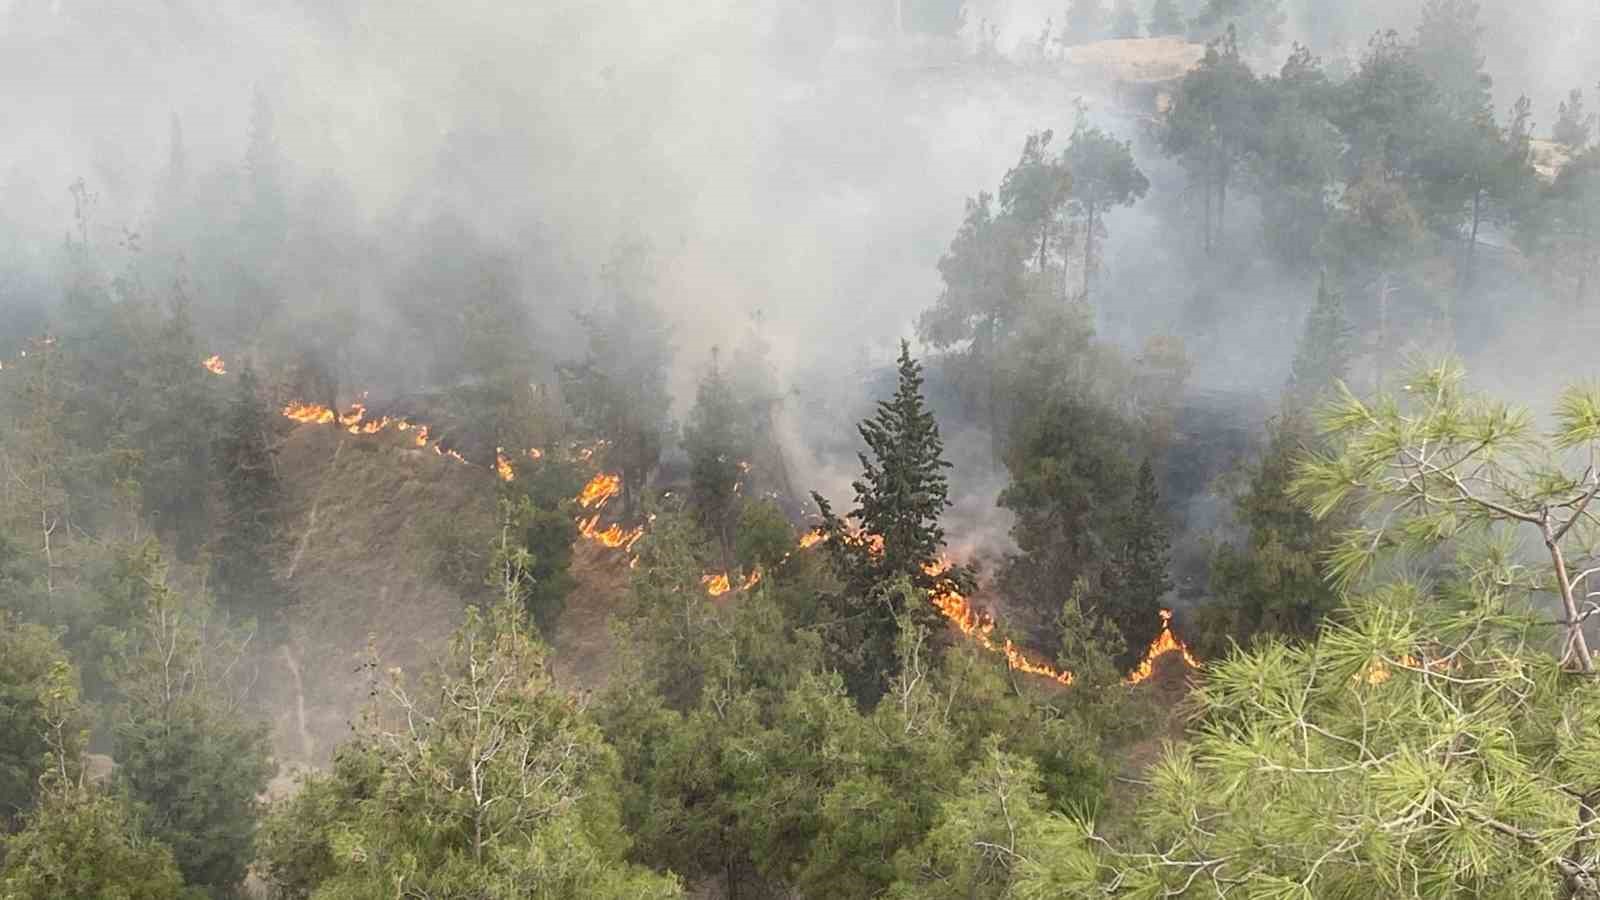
(1577,644)
(1222,203)
(1088,252)
(1472,244)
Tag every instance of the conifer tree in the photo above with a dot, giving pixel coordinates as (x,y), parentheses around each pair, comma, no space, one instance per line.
(1322,358)
(717,440)
(1104,176)
(1137,578)
(1573,126)
(188,756)
(241,568)
(896,536)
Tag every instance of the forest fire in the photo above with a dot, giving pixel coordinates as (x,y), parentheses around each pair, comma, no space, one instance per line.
(719,583)
(1164,643)
(600,488)
(502,465)
(215,365)
(308,413)
(979,626)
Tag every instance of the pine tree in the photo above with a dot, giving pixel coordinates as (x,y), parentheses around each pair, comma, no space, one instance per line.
(187,755)
(717,441)
(1137,578)
(1573,126)
(1322,358)
(900,497)
(241,567)
(1166,19)
(1104,176)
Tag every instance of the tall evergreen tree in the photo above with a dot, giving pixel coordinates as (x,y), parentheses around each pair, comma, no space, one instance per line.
(1449,49)
(187,754)
(718,443)
(241,555)
(619,389)
(1323,356)
(895,537)
(1138,577)
(1573,126)
(1210,127)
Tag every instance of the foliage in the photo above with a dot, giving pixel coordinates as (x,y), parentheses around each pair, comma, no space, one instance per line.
(41,718)
(1137,577)
(1428,744)
(491,783)
(1208,128)
(1272,583)
(1573,126)
(618,390)
(80,843)
(717,439)
(242,562)
(896,536)
(1069,478)
(188,756)
(1104,176)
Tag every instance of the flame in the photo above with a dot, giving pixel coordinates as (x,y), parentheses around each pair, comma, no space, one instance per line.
(1164,643)
(613,536)
(535,453)
(812,538)
(719,583)
(502,465)
(215,365)
(308,413)
(979,626)
(600,488)
(1379,672)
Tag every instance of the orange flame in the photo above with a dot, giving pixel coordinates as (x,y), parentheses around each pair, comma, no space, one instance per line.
(812,538)
(613,536)
(1164,643)
(719,583)
(215,365)
(600,488)
(502,465)
(308,413)
(979,626)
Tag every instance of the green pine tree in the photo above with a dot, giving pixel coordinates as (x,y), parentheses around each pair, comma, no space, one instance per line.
(241,556)
(717,441)
(1137,578)
(1322,358)
(188,756)
(896,536)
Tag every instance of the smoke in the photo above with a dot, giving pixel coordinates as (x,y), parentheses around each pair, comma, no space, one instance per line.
(784,158)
